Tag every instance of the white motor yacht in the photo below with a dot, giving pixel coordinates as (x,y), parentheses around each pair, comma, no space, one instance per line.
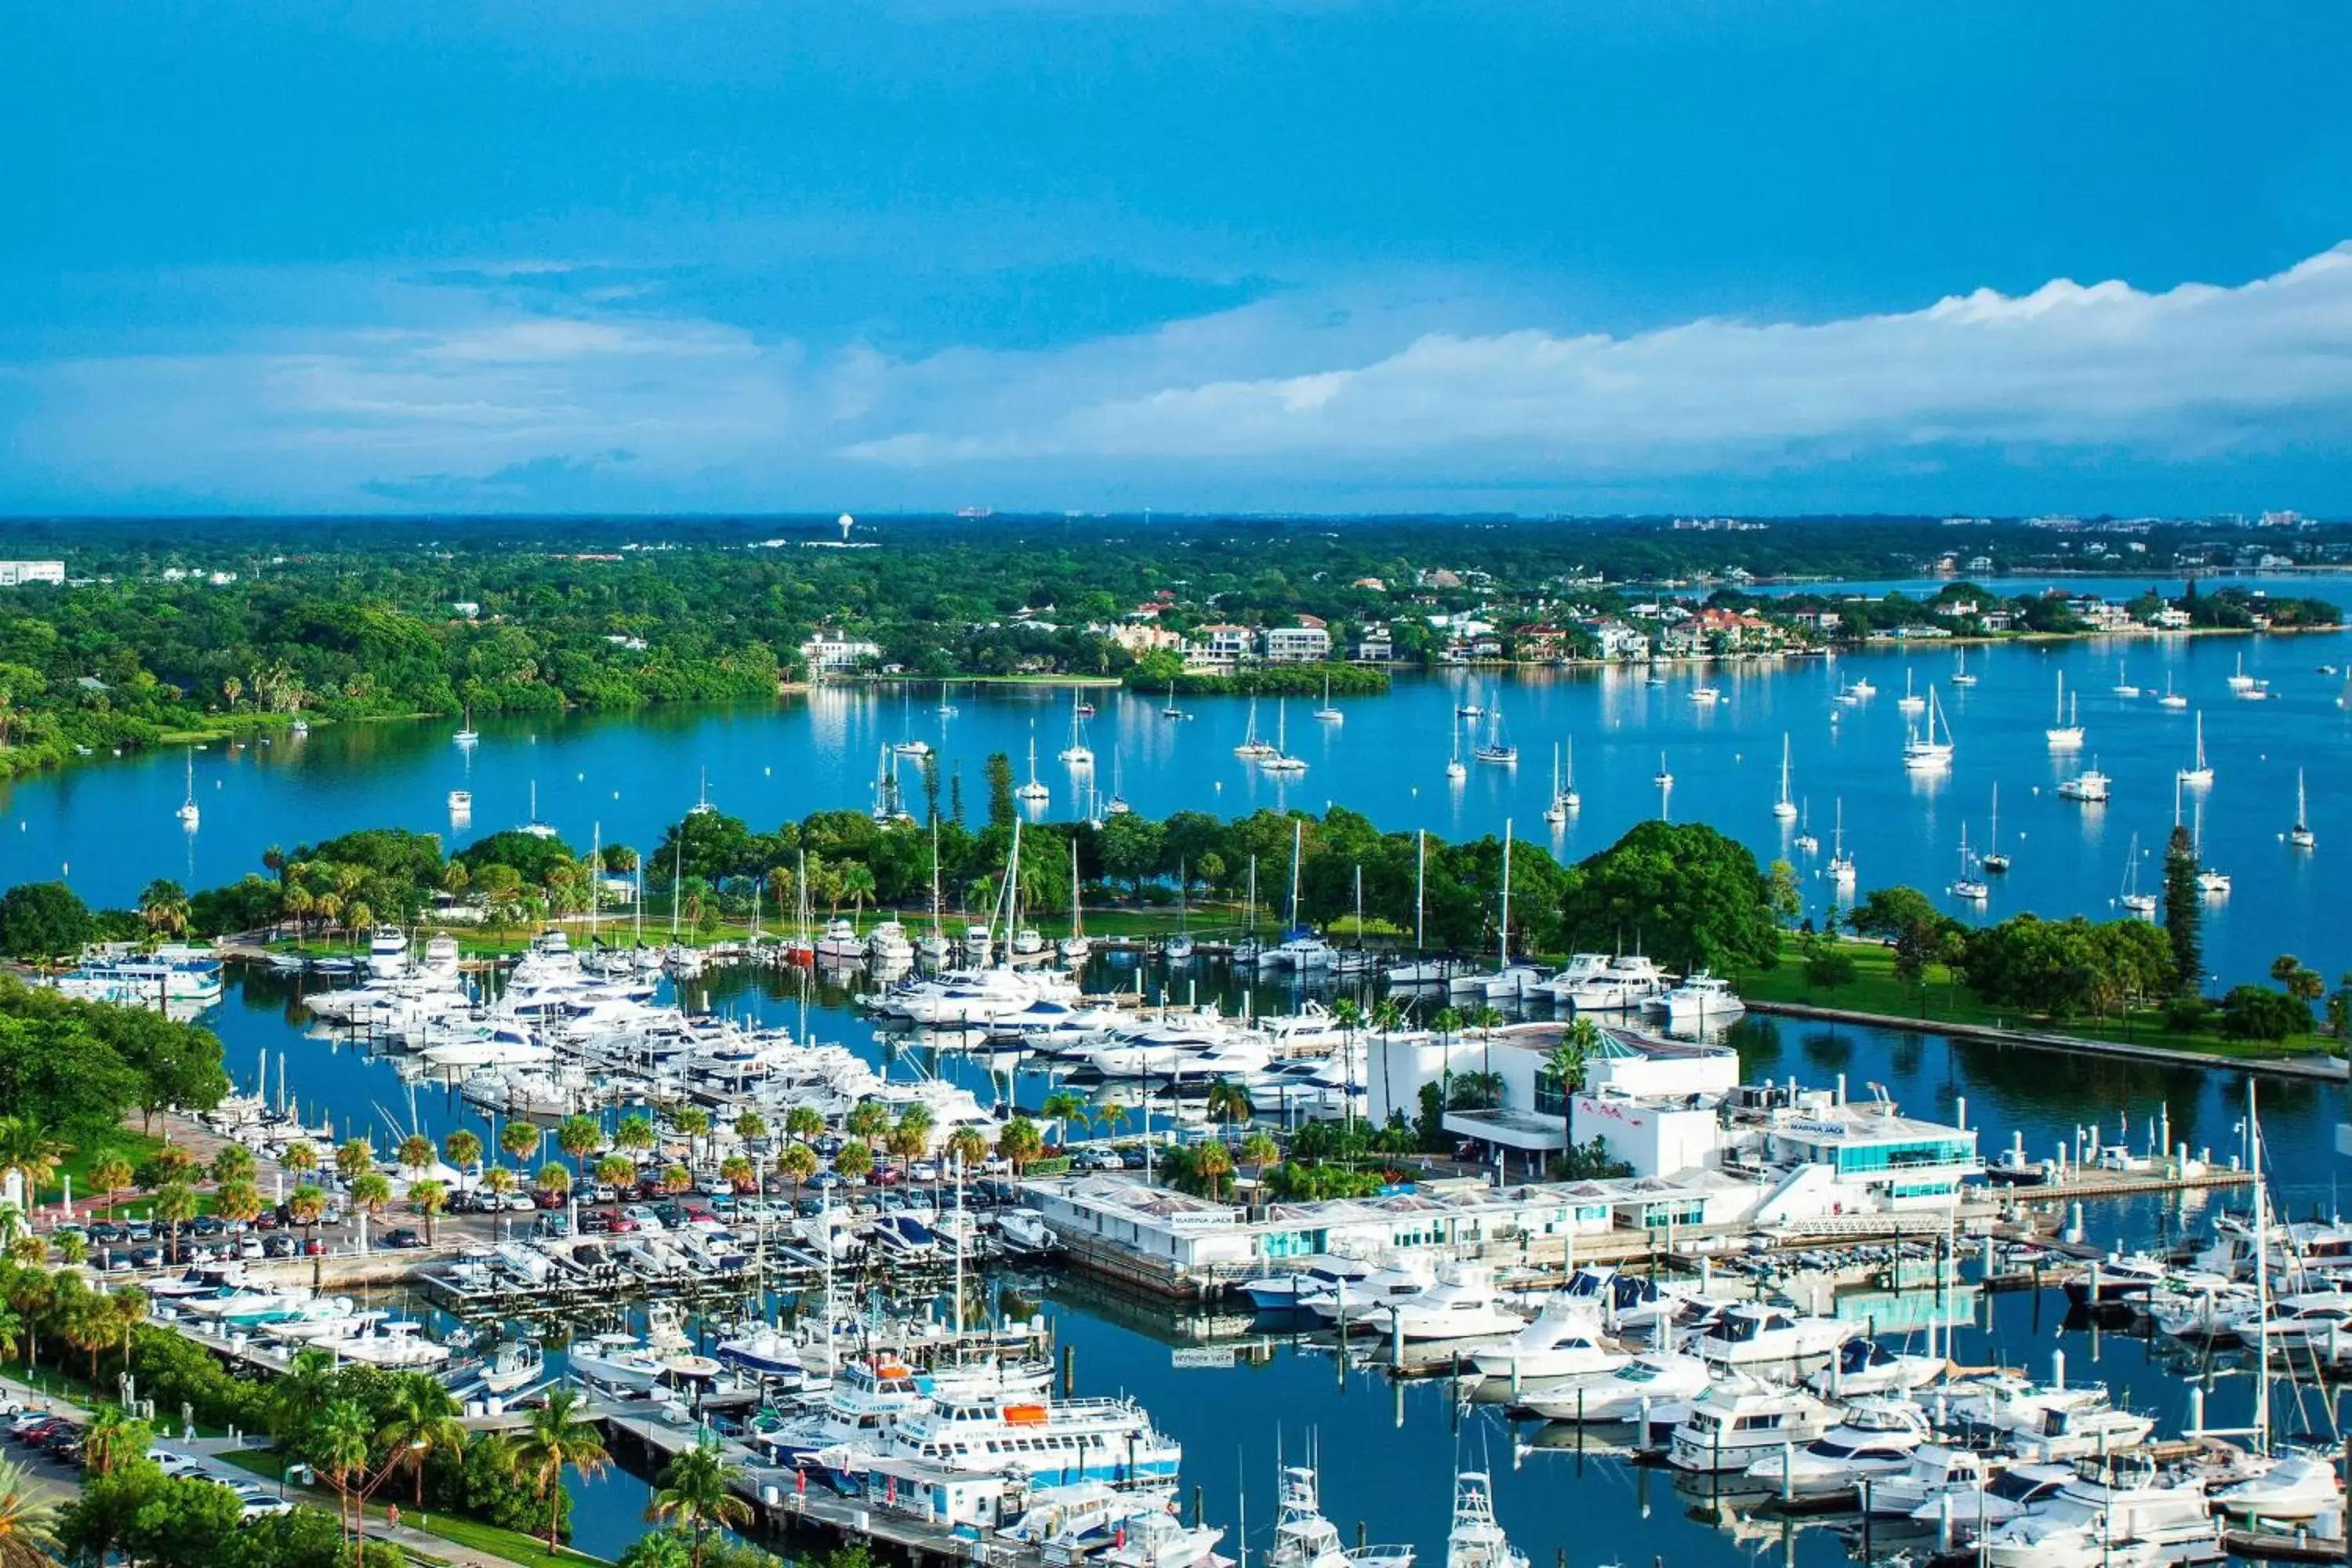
(1701,999)
(1312,1276)
(2297,1486)
(1649,1381)
(1753,1334)
(1476,1541)
(1624,984)
(2131,1516)
(1731,1423)
(1396,1280)
(1564,1340)
(1303,1538)
(1875,1437)
(1863,1366)
(1462,1303)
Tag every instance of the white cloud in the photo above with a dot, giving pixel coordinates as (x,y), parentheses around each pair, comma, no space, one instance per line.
(1335,393)
(2192,371)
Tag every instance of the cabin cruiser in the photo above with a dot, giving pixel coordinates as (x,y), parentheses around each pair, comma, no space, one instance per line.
(2297,1486)
(2118,1277)
(976,995)
(1649,1381)
(1025,1231)
(1875,1437)
(1729,1425)
(1299,949)
(1562,1341)
(1623,983)
(1462,1303)
(1314,1275)
(389,1342)
(2128,1515)
(1753,1334)
(1398,1279)
(2044,1423)
(1932,1471)
(1864,1365)
(1702,999)
(1997,1493)
(132,980)
(887,944)
(1153,1537)
(864,1400)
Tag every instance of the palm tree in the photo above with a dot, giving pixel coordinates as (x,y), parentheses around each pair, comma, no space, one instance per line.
(373,1193)
(1061,1107)
(805,1122)
(461,1149)
(855,1160)
(234,1162)
(415,1154)
(127,1305)
(969,1146)
(1488,1019)
(72,1248)
(175,1206)
(1113,1117)
(239,1200)
(579,1136)
(1019,1142)
(857,885)
(557,1440)
(110,1174)
(339,1443)
(354,1159)
(796,1162)
(28,1518)
(115,1437)
(553,1179)
(695,1123)
(1260,1151)
(617,1171)
(306,1205)
(904,1144)
(634,1135)
(428,1198)
(1212,1164)
(30,1293)
(698,1492)
(1229,1102)
(738,1172)
(751,1127)
(497,1180)
(421,1421)
(301,1158)
(520,1140)
(164,905)
(29,1152)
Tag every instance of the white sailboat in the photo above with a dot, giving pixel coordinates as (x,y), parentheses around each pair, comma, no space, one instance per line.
(1178,948)
(1280,760)
(1251,746)
(1960,673)
(1924,752)
(1564,800)
(1496,748)
(2199,774)
(1910,701)
(1074,946)
(468,735)
(1841,864)
(1077,754)
(2132,899)
(2172,698)
(2124,687)
(1454,771)
(1329,714)
(1969,887)
(2240,682)
(2065,733)
(2301,836)
(2213,884)
(190,813)
(1033,792)
(1116,805)
(1784,809)
(1993,862)
(1804,843)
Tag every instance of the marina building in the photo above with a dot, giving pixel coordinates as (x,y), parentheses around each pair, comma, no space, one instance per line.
(16,574)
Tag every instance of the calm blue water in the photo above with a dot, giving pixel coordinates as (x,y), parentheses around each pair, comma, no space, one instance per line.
(110,826)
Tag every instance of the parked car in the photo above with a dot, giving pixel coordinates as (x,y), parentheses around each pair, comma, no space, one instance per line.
(402,1236)
(278,1246)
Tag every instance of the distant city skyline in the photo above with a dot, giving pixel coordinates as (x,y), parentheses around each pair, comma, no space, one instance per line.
(1306,256)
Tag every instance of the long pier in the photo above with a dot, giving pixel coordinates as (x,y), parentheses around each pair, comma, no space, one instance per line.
(2315,1068)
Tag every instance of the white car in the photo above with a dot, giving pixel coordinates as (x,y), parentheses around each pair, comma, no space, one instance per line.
(174,1463)
(259,1504)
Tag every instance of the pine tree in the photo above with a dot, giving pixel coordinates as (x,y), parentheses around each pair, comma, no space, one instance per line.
(2184,914)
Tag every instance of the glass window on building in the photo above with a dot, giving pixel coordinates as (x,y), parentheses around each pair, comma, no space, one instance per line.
(1861,1159)
(1551,1093)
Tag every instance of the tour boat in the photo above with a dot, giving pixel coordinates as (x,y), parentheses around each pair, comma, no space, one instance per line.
(2199,773)
(2301,836)
(2065,732)
(1329,714)
(1922,753)
(1035,793)
(1784,809)
(1476,1541)
(2089,786)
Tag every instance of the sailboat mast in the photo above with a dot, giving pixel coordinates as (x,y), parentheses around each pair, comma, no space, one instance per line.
(1420,876)
(1503,957)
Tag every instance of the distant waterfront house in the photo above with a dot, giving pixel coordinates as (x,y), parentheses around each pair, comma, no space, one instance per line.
(1374,645)
(831,652)
(1220,647)
(1309,642)
(1620,641)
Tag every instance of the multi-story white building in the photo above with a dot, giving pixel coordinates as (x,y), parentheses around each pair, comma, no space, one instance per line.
(16,574)
(830,652)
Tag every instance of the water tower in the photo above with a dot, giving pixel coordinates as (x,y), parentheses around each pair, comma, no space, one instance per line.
(847,523)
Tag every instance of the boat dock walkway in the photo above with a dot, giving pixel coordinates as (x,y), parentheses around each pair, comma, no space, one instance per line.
(2319,1068)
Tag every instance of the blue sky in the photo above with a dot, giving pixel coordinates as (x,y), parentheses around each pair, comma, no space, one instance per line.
(916,254)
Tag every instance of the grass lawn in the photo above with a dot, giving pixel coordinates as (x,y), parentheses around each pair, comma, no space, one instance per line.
(512,1545)
(132,1145)
(1875,989)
